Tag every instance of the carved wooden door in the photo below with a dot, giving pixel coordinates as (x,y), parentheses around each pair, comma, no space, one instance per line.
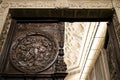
(34,51)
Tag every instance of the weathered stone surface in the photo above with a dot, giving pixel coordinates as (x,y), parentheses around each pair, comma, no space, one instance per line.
(5,5)
(62,3)
(3,13)
(116,24)
(4,31)
(118,13)
(73,38)
(79,4)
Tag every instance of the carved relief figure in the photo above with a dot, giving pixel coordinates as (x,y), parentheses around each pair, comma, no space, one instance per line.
(33,53)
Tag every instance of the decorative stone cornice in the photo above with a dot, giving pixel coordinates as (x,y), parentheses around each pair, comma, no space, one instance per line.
(89,4)
(115,3)
(60,4)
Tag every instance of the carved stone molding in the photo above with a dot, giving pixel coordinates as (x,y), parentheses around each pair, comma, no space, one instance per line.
(90,4)
(73,38)
(4,32)
(60,4)
(4,7)
(116,3)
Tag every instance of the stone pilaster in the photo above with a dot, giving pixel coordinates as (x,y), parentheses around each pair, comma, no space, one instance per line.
(4,7)
(4,22)
(4,31)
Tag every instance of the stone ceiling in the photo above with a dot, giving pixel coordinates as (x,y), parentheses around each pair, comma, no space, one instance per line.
(83,42)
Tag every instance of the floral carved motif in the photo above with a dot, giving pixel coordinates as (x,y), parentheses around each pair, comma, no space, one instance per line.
(33,53)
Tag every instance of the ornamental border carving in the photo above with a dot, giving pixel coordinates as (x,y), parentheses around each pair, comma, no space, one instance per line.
(5,6)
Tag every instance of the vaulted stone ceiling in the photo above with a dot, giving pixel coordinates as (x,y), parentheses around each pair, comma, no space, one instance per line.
(83,42)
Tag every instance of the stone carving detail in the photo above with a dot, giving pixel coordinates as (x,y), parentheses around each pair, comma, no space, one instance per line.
(116,3)
(33,53)
(89,3)
(73,38)
(60,61)
(4,7)
(61,4)
(4,32)
(4,22)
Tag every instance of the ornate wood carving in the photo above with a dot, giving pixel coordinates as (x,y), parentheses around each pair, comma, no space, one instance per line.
(36,50)
(33,52)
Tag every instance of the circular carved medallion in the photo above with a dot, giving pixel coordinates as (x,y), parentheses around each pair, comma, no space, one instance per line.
(33,52)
